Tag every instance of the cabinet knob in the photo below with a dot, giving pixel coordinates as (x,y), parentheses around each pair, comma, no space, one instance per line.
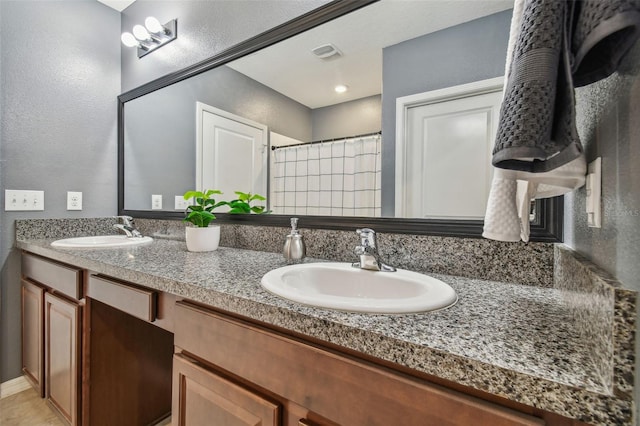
(305,422)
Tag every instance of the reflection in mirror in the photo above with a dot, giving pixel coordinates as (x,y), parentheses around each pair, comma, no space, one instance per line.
(396,58)
(382,53)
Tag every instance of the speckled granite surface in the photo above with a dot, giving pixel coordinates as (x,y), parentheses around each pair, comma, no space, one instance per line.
(519,342)
(64,228)
(530,264)
(607,312)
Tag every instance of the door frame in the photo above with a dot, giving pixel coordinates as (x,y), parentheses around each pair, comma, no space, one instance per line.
(404,103)
(201,108)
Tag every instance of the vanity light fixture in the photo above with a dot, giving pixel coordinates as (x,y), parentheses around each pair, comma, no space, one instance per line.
(341,88)
(151,36)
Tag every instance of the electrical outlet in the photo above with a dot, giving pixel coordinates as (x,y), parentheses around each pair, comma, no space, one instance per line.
(181,203)
(17,200)
(74,200)
(156,202)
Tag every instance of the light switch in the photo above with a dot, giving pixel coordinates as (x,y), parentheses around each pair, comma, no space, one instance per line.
(594,193)
(17,200)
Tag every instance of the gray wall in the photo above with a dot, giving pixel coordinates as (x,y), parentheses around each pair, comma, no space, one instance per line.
(347,119)
(60,69)
(166,118)
(609,127)
(62,66)
(468,52)
(204,29)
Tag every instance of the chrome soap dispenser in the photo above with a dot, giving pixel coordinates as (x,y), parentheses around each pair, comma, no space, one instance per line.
(294,248)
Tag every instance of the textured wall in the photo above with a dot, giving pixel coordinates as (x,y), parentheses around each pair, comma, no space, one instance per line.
(204,29)
(60,77)
(461,54)
(608,124)
(348,118)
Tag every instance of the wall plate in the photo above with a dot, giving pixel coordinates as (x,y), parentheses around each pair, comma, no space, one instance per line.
(74,200)
(156,202)
(181,203)
(19,200)
(594,193)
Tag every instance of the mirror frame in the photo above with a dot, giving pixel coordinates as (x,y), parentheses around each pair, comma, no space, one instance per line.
(547,227)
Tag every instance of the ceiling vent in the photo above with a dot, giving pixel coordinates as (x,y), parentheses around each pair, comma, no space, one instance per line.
(326,51)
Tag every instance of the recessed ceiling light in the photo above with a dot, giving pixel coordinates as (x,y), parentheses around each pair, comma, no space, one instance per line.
(341,88)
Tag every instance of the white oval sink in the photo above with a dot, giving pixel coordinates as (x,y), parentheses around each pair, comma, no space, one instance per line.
(101,241)
(341,286)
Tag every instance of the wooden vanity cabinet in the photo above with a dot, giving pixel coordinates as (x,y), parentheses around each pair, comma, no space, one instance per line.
(62,339)
(202,396)
(128,353)
(33,334)
(51,332)
(314,385)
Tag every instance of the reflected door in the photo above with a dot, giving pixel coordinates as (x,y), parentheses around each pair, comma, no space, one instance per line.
(447,162)
(231,153)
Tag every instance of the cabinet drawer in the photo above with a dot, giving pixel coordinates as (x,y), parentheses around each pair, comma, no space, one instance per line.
(61,278)
(343,389)
(136,301)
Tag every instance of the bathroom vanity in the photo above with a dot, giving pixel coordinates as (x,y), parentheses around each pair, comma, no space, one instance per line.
(155,331)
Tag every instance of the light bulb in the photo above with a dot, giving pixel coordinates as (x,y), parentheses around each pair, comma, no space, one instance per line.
(341,88)
(141,33)
(153,25)
(129,40)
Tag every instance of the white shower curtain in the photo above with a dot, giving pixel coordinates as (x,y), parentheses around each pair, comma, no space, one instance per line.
(340,178)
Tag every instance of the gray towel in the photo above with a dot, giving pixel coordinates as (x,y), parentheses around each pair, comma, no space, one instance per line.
(562,44)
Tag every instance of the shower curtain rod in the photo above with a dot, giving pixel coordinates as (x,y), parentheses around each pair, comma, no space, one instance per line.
(273,148)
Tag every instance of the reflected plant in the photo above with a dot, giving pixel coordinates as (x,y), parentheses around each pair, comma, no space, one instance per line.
(242,205)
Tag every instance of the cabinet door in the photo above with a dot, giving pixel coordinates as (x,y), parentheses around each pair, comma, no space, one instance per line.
(32,337)
(62,355)
(202,397)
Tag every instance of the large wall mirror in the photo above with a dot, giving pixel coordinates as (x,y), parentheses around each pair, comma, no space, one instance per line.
(405,146)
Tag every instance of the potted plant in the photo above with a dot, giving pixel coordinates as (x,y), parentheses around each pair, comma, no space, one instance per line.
(202,236)
(242,205)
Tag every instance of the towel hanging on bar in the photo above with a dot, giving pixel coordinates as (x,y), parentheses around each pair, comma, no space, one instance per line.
(554,45)
(559,44)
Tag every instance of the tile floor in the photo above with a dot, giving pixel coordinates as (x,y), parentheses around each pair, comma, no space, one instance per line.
(28,409)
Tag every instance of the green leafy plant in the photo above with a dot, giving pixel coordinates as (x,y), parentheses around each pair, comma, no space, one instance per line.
(242,205)
(200,212)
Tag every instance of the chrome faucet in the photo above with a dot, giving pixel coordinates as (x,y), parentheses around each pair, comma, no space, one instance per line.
(128,227)
(368,252)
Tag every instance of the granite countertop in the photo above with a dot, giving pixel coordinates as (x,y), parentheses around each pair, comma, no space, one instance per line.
(518,342)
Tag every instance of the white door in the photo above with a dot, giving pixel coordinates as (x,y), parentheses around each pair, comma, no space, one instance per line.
(446,166)
(231,153)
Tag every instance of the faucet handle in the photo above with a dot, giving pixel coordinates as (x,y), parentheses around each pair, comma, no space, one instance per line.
(126,220)
(367,237)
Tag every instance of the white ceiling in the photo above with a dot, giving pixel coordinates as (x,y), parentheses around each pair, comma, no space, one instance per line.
(118,5)
(290,68)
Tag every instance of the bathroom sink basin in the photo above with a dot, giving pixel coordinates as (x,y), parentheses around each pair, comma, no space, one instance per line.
(101,241)
(341,286)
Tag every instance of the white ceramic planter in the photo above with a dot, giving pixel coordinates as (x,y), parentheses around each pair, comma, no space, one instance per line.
(203,239)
